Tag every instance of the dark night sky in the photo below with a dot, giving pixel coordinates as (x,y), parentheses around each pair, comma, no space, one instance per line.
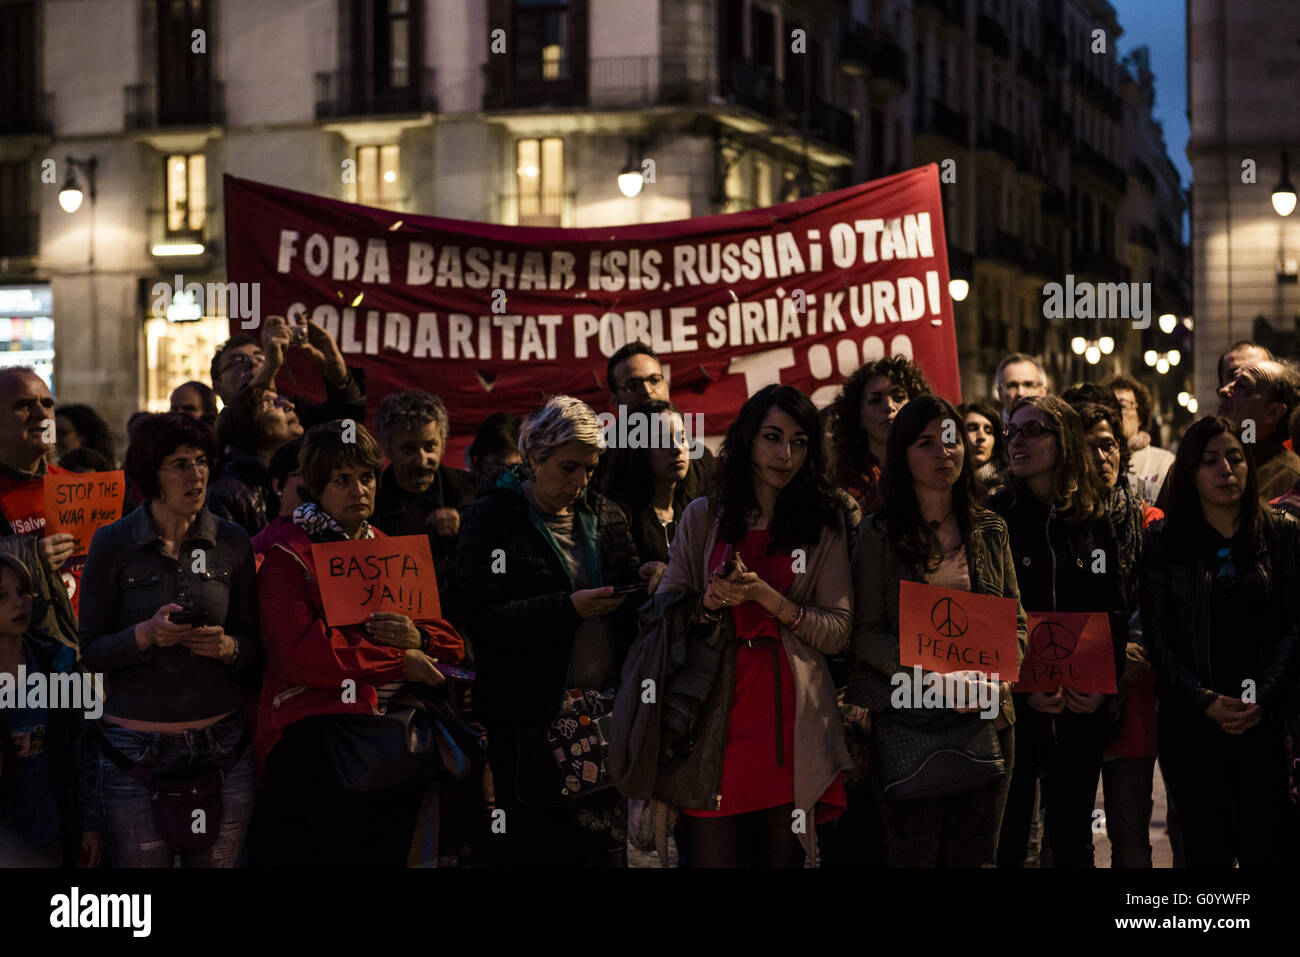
(1161,26)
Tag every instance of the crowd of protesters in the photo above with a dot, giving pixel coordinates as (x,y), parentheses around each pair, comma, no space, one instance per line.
(648,641)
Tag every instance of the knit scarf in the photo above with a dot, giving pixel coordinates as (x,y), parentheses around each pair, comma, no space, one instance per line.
(1139,442)
(316,522)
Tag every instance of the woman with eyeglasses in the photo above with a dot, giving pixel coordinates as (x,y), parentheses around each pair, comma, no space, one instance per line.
(933,530)
(250,430)
(1220,616)
(169,617)
(1067,560)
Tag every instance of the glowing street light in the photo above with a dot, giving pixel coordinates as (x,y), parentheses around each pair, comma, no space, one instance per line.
(1107,345)
(959,289)
(1168,322)
(1093,355)
(1162,365)
(1078,345)
(1149,357)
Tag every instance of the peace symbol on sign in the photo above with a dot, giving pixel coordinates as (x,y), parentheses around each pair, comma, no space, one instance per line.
(949,618)
(1052,641)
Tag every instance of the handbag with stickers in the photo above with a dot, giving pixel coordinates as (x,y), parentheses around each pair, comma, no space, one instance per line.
(579,741)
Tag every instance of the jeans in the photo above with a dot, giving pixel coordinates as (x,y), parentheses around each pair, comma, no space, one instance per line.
(960,831)
(133,839)
(1126,788)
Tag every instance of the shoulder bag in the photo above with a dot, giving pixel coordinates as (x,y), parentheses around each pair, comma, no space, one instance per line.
(925,759)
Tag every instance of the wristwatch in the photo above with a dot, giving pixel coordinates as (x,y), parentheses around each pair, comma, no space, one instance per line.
(234,657)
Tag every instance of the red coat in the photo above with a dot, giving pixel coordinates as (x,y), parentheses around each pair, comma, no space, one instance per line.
(307,661)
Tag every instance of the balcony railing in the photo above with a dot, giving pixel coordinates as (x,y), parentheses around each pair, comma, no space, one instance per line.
(835,126)
(946,122)
(641,81)
(18,235)
(532,209)
(999,139)
(1143,236)
(1000,244)
(1031,68)
(26,114)
(1051,202)
(753,86)
(1056,120)
(341,93)
(889,62)
(1095,89)
(855,43)
(989,33)
(1087,157)
(182,104)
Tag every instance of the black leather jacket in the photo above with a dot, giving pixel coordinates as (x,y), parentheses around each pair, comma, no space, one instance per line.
(1175,594)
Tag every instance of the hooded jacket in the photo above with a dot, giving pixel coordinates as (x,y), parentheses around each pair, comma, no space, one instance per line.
(307,661)
(513,589)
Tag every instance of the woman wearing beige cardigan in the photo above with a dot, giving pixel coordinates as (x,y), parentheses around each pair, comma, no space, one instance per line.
(768,550)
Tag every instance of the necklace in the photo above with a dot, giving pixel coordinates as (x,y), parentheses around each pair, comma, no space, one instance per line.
(935,525)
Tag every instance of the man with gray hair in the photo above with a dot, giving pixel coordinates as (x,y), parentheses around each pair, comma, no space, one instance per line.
(1260,400)
(419,494)
(1018,374)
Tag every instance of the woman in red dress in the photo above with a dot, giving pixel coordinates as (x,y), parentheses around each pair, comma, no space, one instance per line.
(769,550)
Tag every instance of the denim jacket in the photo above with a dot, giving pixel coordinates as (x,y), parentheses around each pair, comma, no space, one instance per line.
(128,578)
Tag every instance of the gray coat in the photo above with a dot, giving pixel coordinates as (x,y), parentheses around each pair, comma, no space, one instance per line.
(819,750)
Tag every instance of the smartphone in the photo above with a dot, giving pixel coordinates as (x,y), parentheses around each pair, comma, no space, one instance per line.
(725,569)
(189,616)
(460,674)
(621,590)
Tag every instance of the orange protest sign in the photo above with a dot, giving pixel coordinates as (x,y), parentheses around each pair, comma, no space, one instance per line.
(392,575)
(1071,650)
(946,629)
(81,502)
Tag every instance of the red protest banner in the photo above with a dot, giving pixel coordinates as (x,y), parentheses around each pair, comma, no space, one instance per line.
(492,317)
(1068,649)
(359,578)
(81,502)
(946,629)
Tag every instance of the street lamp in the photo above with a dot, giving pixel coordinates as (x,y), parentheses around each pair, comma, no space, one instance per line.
(1107,345)
(959,289)
(1078,345)
(1184,398)
(1093,355)
(1149,357)
(1174,357)
(1162,365)
(70,195)
(1192,405)
(1168,322)
(1284,192)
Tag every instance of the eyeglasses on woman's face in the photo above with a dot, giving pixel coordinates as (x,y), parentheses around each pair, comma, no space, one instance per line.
(183,466)
(1031,430)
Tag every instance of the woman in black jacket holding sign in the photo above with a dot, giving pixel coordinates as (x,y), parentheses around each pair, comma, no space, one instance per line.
(1066,560)
(1220,618)
(930,530)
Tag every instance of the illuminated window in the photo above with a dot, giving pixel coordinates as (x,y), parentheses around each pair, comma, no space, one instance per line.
(187,194)
(379,180)
(539,178)
(542,29)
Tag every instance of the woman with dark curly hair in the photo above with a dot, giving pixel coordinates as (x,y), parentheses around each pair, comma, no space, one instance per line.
(988,446)
(860,419)
(769,550)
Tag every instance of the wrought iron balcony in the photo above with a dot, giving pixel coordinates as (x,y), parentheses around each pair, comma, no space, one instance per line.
(174,104)
(343,93)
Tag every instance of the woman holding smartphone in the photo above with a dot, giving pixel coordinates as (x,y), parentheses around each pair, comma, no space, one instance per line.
(931,530)
(770,747)
(169,617)
(1067,559)
(549,582)
(318,674)
(1220,615)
